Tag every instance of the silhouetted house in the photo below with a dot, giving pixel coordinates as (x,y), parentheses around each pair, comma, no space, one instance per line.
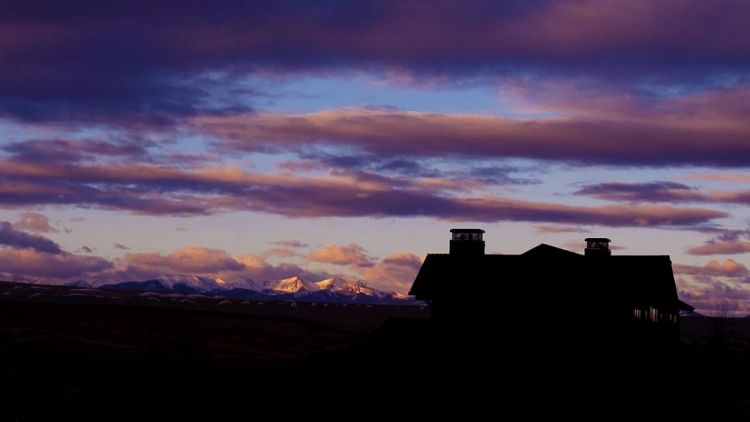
(549,295)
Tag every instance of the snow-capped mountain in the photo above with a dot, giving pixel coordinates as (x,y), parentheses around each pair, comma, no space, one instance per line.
(79,284)
(240,283)
(346,287)
(296,288)
(290,285)
(177,282)
(185,283)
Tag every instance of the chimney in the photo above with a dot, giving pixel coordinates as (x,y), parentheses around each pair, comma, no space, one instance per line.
(597,246)
(467,242)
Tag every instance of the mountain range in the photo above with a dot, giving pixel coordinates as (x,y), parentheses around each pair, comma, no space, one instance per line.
(292,288)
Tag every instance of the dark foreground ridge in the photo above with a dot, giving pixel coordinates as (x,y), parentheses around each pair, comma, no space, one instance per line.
(85,358)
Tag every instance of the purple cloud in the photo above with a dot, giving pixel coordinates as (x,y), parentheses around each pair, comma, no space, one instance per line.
(18,239)
(642,192)
(726,242)
(721,247)
(154,60)
(685,131)
(661,192)
(709,296)
(61,150)
(161,190)
(34,263)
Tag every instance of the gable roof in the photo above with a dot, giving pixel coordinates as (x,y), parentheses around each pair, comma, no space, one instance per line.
(544,250)
(549,274)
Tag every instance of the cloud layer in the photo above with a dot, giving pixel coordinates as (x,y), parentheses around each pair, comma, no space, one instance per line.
(21,259)
(154,61)
(37,264)
(165,190)
(686,131)
(671,192)
(728,268)
(721,247)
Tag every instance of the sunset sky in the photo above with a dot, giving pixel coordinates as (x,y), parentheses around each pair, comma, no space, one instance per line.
(271,139)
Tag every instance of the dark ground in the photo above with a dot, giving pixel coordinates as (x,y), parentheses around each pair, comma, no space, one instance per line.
(86,355)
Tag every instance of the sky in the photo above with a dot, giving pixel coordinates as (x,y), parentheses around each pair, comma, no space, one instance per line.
(268,139)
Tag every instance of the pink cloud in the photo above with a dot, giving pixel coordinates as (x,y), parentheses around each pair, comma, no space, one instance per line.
(34,222)
(710,296)
(721,247)
(189,260)
(678,132)
(33,263)
(728,268)
(198,260)
(662,192)
(719,177)
(351,254)
(395,272)
(257,268)
(158,189)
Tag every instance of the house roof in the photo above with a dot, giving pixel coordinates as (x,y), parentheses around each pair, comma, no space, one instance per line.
(551,275)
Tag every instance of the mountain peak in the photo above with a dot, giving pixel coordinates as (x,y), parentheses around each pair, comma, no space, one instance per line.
(344,286)
(291,285)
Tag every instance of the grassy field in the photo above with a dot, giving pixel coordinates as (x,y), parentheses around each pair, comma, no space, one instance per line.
(84,352)
(88,355)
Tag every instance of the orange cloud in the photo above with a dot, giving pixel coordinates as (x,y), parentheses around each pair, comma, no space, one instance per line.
(728,268)
(721,247)
(395,272)
(351,254)
(189,260)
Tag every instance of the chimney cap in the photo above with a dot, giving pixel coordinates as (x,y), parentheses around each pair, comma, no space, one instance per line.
(597,246)
(467,231)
